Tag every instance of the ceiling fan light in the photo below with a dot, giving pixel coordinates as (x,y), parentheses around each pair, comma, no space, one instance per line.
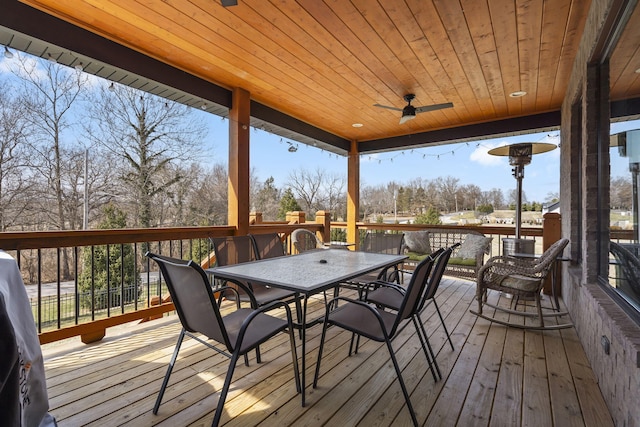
(406,117)
(408,113)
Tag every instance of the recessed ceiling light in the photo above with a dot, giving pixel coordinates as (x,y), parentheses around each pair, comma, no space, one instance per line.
(357,125)
(517,94)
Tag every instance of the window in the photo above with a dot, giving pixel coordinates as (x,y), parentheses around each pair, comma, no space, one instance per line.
(623,271)
(619,224)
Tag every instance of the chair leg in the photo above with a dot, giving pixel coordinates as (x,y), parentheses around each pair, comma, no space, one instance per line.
(433,355)
(317,373)
(168,374)
(443,325)
(404,388)
(225,389)
(427,352)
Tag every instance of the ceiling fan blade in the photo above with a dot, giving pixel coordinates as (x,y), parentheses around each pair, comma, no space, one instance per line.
(387,107)
(433,107)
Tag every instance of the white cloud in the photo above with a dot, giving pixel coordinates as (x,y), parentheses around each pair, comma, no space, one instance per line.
(481,155)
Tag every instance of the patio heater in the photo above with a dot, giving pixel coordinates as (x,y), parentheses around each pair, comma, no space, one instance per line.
(520,156)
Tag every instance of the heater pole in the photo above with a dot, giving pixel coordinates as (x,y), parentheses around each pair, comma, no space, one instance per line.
(518,173)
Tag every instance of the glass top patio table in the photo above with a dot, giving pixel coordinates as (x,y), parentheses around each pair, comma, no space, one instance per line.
(307,273)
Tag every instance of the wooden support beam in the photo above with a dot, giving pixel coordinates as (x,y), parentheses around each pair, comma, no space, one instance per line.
(239,119)
(353,195)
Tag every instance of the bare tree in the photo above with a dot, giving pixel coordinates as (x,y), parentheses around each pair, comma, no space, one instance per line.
(448,188)
(318,190)
(147,133)
(50,92)
(100,190)
(267,200)
(621,193)
(468,196)
(15,180)
(334,196)
(206,203)
(513,197)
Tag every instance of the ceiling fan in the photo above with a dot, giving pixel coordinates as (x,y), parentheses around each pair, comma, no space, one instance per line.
(409,111)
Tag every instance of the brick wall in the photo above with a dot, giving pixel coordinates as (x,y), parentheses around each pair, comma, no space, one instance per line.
(595,315)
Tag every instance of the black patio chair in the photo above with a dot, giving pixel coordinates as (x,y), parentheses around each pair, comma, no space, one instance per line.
(382,243)
(379,325)
(236,333)
(390,295)
(267,245)
(237,249)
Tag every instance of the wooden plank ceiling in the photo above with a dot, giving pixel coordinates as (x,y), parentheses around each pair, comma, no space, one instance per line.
(328,62)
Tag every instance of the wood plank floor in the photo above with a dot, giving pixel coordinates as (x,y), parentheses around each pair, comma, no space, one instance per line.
(496,376)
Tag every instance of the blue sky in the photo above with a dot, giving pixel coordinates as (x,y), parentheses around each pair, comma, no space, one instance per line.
(469,162)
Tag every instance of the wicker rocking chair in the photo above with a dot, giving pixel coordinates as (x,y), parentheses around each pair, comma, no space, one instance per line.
(522,278)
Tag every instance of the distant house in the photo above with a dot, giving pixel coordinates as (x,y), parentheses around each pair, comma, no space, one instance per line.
(551,207)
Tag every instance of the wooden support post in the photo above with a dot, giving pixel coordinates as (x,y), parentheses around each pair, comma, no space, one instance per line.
(324,218)
(255,218)
(353,195)
(551,233)
(238,199)
(296,217)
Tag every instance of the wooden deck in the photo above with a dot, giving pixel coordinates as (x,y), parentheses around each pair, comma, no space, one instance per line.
(496,376)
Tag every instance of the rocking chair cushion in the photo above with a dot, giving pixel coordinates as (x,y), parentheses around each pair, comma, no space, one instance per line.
(521,283)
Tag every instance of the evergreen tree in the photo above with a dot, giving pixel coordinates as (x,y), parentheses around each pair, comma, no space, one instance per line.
(431,217)
(485,209)
(121,269)
(288,203)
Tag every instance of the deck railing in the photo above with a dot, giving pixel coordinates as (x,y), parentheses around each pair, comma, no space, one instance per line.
(66,271)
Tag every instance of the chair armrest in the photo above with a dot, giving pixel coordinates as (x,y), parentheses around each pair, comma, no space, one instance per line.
(263,310)
(506,265)
(246,289)
(379,284)
(334,303)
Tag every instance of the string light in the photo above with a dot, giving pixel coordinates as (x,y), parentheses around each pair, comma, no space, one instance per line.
(425,155)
